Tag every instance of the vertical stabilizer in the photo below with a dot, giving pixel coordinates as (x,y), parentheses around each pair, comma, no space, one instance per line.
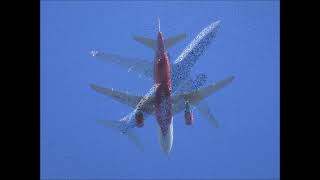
(158,24)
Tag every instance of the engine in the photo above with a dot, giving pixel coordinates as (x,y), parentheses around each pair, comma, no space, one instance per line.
(188,116)
(139,119)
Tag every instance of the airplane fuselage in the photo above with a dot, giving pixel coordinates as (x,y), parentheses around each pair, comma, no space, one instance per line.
(163,105)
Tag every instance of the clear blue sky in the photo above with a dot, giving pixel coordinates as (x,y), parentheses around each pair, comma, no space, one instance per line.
(247,46)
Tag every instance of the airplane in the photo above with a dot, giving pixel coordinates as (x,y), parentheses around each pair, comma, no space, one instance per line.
(159,100)
(183,82)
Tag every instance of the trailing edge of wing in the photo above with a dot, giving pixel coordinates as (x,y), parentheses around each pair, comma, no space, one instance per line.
(143,103)
(140,66)
(195,96)
(121,97)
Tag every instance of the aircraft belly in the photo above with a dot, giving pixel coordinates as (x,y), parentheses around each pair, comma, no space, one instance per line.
(164,112)
(166,140)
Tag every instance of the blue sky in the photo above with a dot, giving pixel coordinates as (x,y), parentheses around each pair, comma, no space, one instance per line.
(246,145)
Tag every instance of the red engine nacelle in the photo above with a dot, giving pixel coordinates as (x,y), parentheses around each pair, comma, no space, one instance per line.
(188,116)
(139,119)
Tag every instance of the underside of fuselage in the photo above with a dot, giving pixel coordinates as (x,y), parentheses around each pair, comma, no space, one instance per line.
(163,104)
(166,140)
(163,112)
(164,99)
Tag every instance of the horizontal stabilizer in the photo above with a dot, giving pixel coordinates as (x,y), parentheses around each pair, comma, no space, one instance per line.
(171,41)
(118,125)
(110,124)
(204,110)
(168,43)
(150,43)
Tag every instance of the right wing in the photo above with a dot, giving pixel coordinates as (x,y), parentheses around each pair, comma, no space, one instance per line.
(202,107)
(139,66)
(198,95)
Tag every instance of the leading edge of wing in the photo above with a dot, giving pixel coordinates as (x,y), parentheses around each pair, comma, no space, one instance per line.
(143,103)
(199,43)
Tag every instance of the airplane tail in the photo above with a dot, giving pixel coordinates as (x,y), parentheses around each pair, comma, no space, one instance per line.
(168,43)
(121,126)
(159,24)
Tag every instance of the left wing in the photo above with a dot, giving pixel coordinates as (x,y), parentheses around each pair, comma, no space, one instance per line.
(143,103)
(196,96)
(140,66)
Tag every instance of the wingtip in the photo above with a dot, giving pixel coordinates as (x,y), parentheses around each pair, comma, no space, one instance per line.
(93,53)
(92,86)
(215,124)
(159,24)
(216,23)
(182,35)
(108,123)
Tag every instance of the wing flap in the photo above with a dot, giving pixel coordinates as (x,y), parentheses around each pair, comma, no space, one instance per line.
(139,66)
(196,96)
(143,103)
(121,97)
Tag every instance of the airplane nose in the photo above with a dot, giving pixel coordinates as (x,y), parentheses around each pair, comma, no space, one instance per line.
(165,145)
(166,140)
